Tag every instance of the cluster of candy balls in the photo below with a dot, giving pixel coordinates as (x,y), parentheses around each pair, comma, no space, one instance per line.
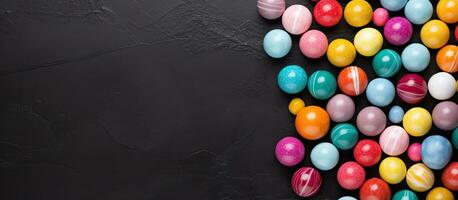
(313,122)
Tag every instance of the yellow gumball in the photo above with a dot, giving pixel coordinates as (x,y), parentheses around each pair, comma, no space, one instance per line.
(368,41)
(420,178)
(392,170)
(447,11)
(440,193)
(358,13)
(341,52)
(434,34)
(295,105)
(417,121)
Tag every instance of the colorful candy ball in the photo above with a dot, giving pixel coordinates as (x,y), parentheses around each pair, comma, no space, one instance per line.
(386,63)
(420,178)
(358,13)
(442,86)
(296,19)
(394,141)
(380,16)
(324,156)
(418,11)
(445,115)
(434,34)
(322,84)
(344,136)
(455,138)
(436,151)
(393,5)
(271,9)
(289,151)
(371,121)
(405,194)
(380,92)
(292,79)
(368,41)
(447,58)
(417,121)
(392,170)
(414,152)
(440,193)
(412,88)
(352,80)
(315,39)
(351,175)
(367,152)
(306,181)
(450,176)
(341,52)
(277,43)
(295,105)
(398,30)
(375,189)
(447,11)
(340,108)
(396,114)
(327,13)
(312,122)
(415,57)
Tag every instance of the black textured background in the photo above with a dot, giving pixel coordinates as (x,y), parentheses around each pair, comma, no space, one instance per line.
(161,99)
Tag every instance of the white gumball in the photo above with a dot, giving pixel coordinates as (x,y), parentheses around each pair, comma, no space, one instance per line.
(442,86)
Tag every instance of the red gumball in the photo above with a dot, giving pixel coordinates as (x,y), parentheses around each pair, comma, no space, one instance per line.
(351,175)
(327,12)
(450,176)
(375,189)
(367,152)
(306,181)
(412,88)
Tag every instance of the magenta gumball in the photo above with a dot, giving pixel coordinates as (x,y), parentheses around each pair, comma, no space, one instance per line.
(306,181)
(394,141)
(380,16)
(371,121)
(445,115)
(398,31)
(296,19)
(351,175)
(315,39)
(411,88)
(289,151)
(414,152)
(340,108)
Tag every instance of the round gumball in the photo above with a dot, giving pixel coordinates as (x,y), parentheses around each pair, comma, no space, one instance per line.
(312,122)
(412,88)
(386,63)
(351,175)
(322,84)
(395,114)
(450,176)
(418,11)
(455,138)
(371,121)
(420,178)
(277,43)
(306,181)
(315,39)
(289,151)
(414,152)
(324,156)
(344,136)
(445,115)
(393,5)
(368,41)
(271,9)
(398,31)
(347,198)
(392,170)
(380,92)
(394,141)
(295,105)
(434,34)
(296,19)
(405,194)
(341,52)
(375,189)
(352,80)
(415,57)
(380,16)
(447,11)
(436,152)
(292,79)
(340,108)
(358,13)
(367,152)
(327,12)
(417,121)
(440,193)
(447,58)
(442,86)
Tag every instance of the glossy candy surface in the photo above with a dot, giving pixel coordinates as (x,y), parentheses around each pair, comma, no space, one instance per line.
(447,58)
(351,175)
(392,170)
(371,121)
(358,13)
(395,114)
(312,122)
(315,39)
(368,41)
(418,11)
(417,121)
(296,19)
(380,92)
(322,84)
(367,152)
(436,151)
(306,181)
(420,178)
(277,43)
(414,152)
(271,9)
(445,115)
(289,151)
(412,88)
(398,31)
(327,13)
(292,79)
(341,52)
(434,34)
(324,156)
(344,136)
(415,57)
(295,105)
(450,176)
(442,86)
(340,108)
(352,80)
(386,63)
(393,5)
(440,193)
(447,11)
(380,16)
(405,195)
(394,141)
(455,138)
(375,189)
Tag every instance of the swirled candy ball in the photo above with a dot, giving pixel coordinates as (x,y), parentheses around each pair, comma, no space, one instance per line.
(289,151)
(322,84)
(277,43)
(445,115)
(418,11)
(340,108)
(441,86)
(271,9)
(450,176)
(415,57)
(327,13)
(440,193)
(392,170)
(380,92)
(395,114)
(295,105)
(351,175)
(347,198)
(296,19)
(420,178)
(324,156)
(434,34)
(358,13)
(447,58)
(375,189)
(380,16)
(414,152)
(292,79)
(312,122)
(394,141)
(306,181)
(412,88)
(393,5)
(398,31)
(341,52)
(315,39)
(386,63)
(447,11)
(455,138)
(352,80)
(368,41)
(436,151)
(417,121)
(344,136)
(405,194)
(367,152)
(371,121)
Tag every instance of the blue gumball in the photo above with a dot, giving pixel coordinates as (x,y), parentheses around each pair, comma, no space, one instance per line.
(292,79)
(418,11)
(415,57)
(380,92)
(324,156)
(393,5)
(436,152)
(277,43)
(396,114)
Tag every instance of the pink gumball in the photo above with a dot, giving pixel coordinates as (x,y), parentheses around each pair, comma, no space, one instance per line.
(306,181)
(297,19)
(313,44)
(414,152)
(380,16)
(289,151)
(351,175)
(394,141)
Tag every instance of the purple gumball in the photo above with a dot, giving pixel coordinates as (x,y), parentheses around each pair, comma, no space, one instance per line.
(445,115)
(340,108)
(371,121)
(398,31)
(289,151)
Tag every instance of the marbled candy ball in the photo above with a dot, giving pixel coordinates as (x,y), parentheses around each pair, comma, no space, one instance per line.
(380,16)
(368,41)
(358,13)
(351,175)
(405,194)
(398,31)
(420,178)
(315,39)
(352,80)
(440,193)
(380,92)
(445,115)
(386,63)
(322,85)
(415,57)
(395,114)
(367,152)
(292,79)
(436,152)
(417,121)
(295,105)
(327,13)
(375,189)
(414,152)
(271,9)
(418,11)
(371,121)
(296,19)
(312,122)
(450,176)
(347,198)
(412,88)
(340,108)
(306,181)
(394,141)
(344,136)
(447,58)
(289,151)
(392,170)
(277,43)
(324,156)
(393,5)
(455,138)
(434,34)
(447,11)
(442,86)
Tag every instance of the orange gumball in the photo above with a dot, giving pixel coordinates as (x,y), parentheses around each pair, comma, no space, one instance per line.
(312,122)
(447,58)
(352,80)
(447,11)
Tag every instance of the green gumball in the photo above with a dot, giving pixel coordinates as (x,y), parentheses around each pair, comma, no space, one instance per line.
(344,136)
(386,63)
(455,138)
(405,195)
(322,85)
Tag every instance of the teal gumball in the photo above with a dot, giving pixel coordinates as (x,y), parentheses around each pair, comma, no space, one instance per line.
(386,63)
(455,138)
(405,195)
(344,136)
(292,79)
(322,84)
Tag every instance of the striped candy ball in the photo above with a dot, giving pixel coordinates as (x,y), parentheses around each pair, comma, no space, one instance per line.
(306,181)
(420,178)
(412,88)
(352,80)
(271,9)
(394,141)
